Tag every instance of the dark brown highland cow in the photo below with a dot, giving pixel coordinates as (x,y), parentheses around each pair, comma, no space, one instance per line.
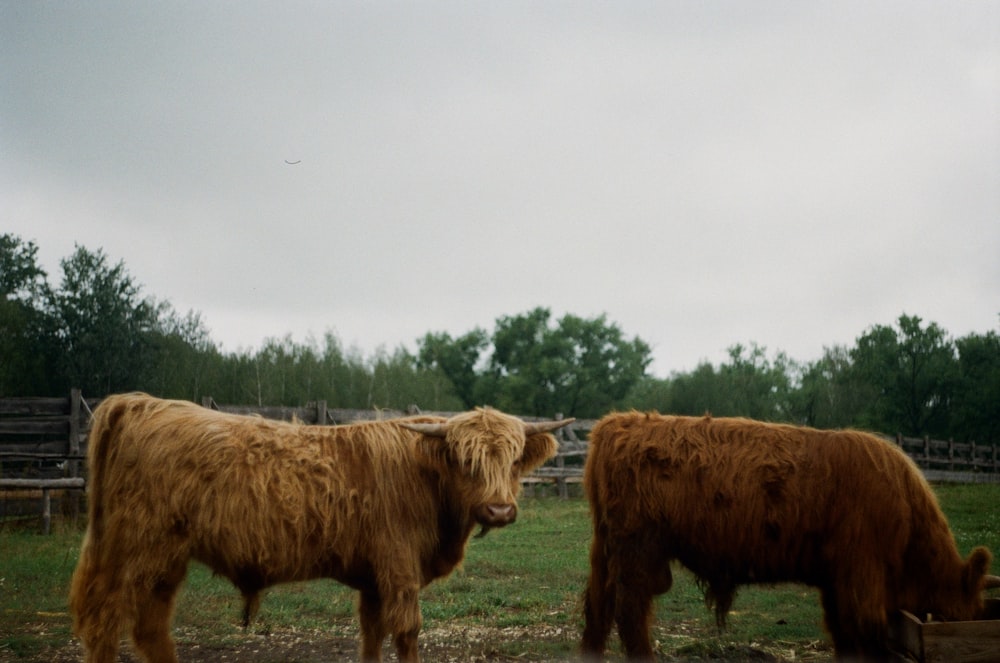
(739,502)
(383,507)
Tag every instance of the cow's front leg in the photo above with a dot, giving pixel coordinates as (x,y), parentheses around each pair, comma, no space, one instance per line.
(372,627)
(403,620)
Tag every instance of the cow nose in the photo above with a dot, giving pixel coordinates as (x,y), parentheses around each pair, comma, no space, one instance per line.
(500,514)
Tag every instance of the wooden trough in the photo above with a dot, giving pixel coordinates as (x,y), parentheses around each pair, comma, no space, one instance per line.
(947,642)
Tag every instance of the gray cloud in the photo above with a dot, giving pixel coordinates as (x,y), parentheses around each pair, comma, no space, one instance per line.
(704,173)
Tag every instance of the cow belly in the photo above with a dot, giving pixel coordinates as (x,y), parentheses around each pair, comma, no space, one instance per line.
(747,559)
(254,575)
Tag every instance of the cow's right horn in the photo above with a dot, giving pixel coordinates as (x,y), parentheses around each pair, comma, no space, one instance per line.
(991,582)
(545,426)
(434,430)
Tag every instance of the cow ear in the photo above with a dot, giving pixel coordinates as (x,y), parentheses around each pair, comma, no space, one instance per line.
(538,448)
(976,567)
(432,449)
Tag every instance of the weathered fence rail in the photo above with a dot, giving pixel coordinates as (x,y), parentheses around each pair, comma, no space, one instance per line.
(952,455)
(43,444)
(42,447)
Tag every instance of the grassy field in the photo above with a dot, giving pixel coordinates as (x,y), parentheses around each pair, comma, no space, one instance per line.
(517,596)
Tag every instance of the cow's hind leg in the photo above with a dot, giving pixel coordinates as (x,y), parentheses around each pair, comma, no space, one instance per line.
(644,572)
(97,601)
(154,610)
(633,609)
(598,600)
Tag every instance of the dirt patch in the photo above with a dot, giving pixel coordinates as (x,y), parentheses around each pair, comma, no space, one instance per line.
(445,644)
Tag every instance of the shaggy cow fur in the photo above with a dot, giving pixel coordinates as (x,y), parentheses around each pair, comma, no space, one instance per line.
(377,506)
(739,501)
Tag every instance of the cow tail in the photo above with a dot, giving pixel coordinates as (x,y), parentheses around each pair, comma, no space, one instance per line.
(599,598)
(99,442)
(95,603)
(599,592)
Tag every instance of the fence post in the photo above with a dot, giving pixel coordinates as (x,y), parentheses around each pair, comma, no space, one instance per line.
(321,413)
(951,455)
(46,511)
(972,456)
(74,425)
(72,466)
(561,464)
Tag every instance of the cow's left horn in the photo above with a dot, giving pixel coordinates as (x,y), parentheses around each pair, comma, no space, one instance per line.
(434,430)
(545,426)
(991,582)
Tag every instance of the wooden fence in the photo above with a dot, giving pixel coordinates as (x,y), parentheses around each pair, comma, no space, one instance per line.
(43,445)
(953,461)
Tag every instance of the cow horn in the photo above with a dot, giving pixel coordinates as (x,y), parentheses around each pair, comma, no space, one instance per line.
(991,582)
(545,426)
(434,430)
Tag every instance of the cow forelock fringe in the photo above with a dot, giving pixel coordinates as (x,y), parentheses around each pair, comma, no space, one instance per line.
(488,443)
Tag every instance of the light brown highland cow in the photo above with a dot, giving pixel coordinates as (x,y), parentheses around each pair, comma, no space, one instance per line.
(383,507)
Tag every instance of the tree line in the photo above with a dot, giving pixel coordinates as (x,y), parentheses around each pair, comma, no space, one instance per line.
(98,331)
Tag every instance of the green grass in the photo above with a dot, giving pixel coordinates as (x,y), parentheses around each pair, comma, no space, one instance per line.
(521,583)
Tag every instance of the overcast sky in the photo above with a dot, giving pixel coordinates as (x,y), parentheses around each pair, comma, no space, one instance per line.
(705,173)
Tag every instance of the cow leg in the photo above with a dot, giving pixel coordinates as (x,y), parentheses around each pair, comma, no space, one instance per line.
(843,646)
(643,571)
(403,620)
(97,603)
(857,637)
(598,600)
(372,626)
(151,631)
(391,610)
(633,609)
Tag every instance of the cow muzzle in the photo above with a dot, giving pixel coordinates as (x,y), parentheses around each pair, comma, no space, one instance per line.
(496,515)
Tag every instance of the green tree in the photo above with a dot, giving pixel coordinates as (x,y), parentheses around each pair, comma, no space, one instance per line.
(604,365)
(912,371)
(830,394)
(748,385)
(103,324)
(27,343)
(456,359)
(757,387)
(977,394)
(579,368)
(344,373)
(20,276)
(698,392)
(398,382)
(651,393)
(181,356)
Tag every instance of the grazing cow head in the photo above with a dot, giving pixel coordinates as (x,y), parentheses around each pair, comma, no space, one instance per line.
(968,603)
(486,453)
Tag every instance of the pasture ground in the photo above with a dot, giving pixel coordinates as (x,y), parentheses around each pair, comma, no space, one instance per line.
(516,599)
